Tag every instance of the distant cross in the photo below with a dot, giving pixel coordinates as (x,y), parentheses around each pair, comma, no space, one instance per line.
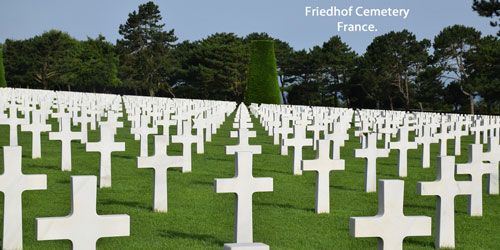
(65,135)
(244,185)
(243,145)
(403,145)
(160,162)
(12,184)
(446,187)
(13,122)
(37,126)
(371,153)
(83,226)
(426,139)
(476,167)
(186,139)
(144,131)
(458,133)
(105,147)
(298,142)
(493,156)
(390,224)
(323,165)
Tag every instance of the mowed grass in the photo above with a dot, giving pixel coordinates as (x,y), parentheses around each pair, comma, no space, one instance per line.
(198,218)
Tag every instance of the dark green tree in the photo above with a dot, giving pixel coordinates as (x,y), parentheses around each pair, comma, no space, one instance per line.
(283,52)
(488,8)
(303,80)
(262,84)
(3,82)
(429,92)
(450,48)
(213,68)
(145,52)
(483,68)
(392,63)
(336,63)
(97,69)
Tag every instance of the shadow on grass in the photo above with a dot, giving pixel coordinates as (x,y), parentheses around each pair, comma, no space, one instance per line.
(419,243)
(204,183)
(191,236)
(130,157)
(132,204)
(345,188)
(270,170)
(284,206)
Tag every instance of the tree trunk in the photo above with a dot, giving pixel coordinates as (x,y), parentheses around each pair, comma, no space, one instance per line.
(471,100)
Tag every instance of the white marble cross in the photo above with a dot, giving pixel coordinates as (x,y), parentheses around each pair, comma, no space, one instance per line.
(12,184)
(403,145)
(426,139)
(244,135)
(186,139)
(160,162)
(323,165)
(83,226)
(390,224)
(298,142)
(371,153)
(37,126)
(476,167)
(446,187)
(493,156)
(143,132)
(65,135)
(105,147)
(244,185)
(13,121)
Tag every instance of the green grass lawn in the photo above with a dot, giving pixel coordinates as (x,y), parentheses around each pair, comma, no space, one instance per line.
(198,218)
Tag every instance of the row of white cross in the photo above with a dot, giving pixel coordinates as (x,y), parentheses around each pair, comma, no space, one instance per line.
(329,128)
(83,226)
(390,224)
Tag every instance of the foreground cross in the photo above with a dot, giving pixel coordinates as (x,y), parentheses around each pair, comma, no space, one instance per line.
(12,184)
(390,225)
(244,185)
(160,162)
(446,187)
(83,226)
(105,147)
(371,153)
(323,165)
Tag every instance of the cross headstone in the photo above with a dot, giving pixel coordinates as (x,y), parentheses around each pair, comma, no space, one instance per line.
(426,139)
(298,142)
(446,187)
(390,225)
(371,153)
(37,126)
(65,135)
(244,185)
(105,147)
(160,162)
(476,167)
(12,184)
(403,145)
(83,226)
(323,165)
(186,139)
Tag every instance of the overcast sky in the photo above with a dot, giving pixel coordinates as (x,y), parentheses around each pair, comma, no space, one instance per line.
(193,20)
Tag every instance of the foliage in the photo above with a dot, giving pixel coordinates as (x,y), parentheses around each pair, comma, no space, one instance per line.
(488,8)
(3,82)
(262,84)
(146,61)
(450,48)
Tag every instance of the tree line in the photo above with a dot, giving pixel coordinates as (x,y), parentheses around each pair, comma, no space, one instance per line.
(458,71)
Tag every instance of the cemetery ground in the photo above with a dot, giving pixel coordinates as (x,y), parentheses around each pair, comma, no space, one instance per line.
(199,218)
